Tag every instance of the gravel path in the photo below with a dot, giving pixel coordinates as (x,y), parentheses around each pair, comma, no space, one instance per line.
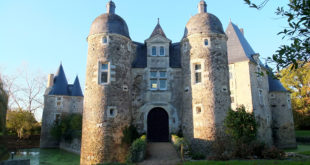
(161,154)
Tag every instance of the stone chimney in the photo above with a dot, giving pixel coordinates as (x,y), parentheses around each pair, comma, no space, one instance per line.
(202,7)
(111,7)
(50,80)
(242,30)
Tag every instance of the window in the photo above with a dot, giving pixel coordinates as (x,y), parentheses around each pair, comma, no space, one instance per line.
(57,118)
(103,73)
(59,103)
(112,112)
(158,80)
(104,40)
(206,42)
(197,73)
(198,109)
(162,51)
(260,96)
(154,51)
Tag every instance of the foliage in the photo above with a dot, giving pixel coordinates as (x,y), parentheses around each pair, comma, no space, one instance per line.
(249,162)
(130,134)
(273,153)
(68,127)
(198,156)
(240,125)
(22,123)
(137,150)
(297,14)
(178,141)
(3,106)
(302,133)
(298,83)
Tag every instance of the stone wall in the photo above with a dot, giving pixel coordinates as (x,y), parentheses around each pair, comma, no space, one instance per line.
(15,162)
(282,120)
(74,146)
(102,133)
(205,104)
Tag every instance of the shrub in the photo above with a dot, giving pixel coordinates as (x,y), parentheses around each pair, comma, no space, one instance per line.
(68,127)
(198,156)
(273,153)
(223,148)
(137,150)
(22,123)
(130,134)
(240,125)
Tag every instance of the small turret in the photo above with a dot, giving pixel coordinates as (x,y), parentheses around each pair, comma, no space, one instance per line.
(111,7)
(202,7)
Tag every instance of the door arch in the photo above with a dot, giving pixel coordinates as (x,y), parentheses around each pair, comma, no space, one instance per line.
(158,125)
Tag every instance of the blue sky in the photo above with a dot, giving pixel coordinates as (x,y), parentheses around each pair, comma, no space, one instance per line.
(44,33)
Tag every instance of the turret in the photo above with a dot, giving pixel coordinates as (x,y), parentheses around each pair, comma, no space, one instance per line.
(107,103)
(206,79)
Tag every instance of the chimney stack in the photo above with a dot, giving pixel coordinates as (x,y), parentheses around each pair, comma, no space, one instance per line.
(50,80)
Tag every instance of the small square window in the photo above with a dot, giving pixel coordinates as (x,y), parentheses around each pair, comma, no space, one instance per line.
(153,74)
(197,67)
(112,112)
(104,66)
(163,84)
(206,42)
(154,84)
(104,40)
(198,110)
(163,74)
(154,51)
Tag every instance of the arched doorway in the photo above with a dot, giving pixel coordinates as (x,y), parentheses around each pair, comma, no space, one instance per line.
(158,125)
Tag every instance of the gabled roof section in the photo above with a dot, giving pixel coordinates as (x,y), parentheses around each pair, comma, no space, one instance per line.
(274,84)
(158,31)
(60,86)
(76,89)
(237,46)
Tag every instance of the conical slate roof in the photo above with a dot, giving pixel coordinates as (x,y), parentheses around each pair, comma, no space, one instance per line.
(158,31)
(237,46)
(60,86)
(76,89)
(274,84)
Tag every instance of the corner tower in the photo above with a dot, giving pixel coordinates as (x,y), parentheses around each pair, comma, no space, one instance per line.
(205,79)
(107,104)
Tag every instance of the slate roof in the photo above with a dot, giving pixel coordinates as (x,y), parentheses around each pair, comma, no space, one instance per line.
(274,84)
(61,86)
(158,31)
(238,48)
(175,55)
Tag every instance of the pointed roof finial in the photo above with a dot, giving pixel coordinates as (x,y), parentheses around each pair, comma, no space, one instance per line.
(202,7)
(157,20)
(111,7)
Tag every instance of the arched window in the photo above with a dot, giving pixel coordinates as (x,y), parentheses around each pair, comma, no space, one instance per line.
(162,51)
(154,51)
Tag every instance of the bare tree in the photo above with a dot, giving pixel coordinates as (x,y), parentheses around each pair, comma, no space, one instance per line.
(25,89)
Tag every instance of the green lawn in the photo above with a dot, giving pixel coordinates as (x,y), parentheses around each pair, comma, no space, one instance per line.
(302,133)
(249,162)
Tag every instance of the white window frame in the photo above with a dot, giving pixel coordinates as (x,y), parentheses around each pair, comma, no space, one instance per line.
(197,71)
(157,78)
(155,51)
(100,70)
(160,51)
(209,42)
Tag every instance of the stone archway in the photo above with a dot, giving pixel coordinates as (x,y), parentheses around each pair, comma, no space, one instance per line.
(158,125)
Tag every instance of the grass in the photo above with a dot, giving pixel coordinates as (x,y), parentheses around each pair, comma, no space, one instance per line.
(248,162)
(302,133)
(302,148)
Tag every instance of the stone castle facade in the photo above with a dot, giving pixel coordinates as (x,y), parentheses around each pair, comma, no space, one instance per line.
(164,88)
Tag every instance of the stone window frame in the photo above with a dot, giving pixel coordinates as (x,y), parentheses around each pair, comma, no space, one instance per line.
(193,76)
(59,102)
(111,111)
(260,97)
(108,71)
(105,42)
(209,42)
(160,49)
(158,78)
(197,71)
(153,48)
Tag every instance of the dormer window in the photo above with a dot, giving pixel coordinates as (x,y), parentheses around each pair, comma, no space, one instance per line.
(162,51)
(154,51)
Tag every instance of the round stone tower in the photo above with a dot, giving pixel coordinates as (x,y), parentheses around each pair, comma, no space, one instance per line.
(206,96)
(107,103)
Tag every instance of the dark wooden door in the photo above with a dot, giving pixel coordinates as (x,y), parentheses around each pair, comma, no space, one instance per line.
(158,125)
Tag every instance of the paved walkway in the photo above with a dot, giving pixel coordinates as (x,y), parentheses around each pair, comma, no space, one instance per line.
(161,154)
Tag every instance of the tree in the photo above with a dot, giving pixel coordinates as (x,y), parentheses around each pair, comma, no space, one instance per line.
(25,90)
(297,14)
(298,83)
(3,106)
(22,123)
